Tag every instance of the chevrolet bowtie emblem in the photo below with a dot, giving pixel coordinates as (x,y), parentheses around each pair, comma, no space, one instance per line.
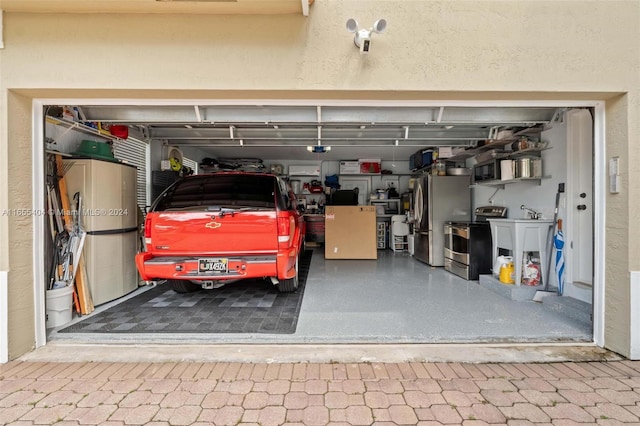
(213,225)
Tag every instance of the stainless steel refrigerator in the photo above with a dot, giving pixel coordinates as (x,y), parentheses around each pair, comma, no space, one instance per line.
(438,199)
(110,218)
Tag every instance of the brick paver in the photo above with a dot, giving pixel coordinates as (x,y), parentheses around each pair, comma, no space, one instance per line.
(612,411)
(308,394)
(484,412)
(135,416)
(525,411)
(228,415)
(336,400)
(185,415)
(255,400)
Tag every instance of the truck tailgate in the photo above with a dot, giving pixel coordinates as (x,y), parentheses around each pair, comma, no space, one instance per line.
(211,233)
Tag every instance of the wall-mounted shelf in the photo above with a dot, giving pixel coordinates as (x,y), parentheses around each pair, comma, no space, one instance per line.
(502,183)
(498,143)
(54,152)
(523,152)
(384,200)
(74,125)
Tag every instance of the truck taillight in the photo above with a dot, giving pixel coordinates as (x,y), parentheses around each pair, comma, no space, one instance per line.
(286,225)
(147,230)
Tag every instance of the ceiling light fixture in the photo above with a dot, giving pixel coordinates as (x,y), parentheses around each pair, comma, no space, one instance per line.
(318,149)
(362,38)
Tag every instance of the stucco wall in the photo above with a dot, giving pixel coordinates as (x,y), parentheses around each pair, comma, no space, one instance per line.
(617,274)
(20,285)
(431,49)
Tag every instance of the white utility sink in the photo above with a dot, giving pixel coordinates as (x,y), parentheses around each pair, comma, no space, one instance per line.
(520,236)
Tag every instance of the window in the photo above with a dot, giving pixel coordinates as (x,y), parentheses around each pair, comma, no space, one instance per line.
(220,190)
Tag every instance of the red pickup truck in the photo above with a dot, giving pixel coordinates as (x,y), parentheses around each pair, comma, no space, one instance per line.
(210,229)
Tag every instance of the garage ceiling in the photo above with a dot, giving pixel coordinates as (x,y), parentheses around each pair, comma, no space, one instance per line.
(273,132)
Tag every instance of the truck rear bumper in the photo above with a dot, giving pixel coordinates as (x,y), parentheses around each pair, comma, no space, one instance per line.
(186,268)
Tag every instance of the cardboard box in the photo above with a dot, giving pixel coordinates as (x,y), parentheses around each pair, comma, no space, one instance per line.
(350,232)
(349,167)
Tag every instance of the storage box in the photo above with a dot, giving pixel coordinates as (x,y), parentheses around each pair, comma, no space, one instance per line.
(350,232)
(349,167)
(450,151)
(427,157)
(311,170)
(420,159)
(370,166)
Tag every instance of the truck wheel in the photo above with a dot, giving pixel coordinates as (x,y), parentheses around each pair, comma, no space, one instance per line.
(291,284)
(182,286)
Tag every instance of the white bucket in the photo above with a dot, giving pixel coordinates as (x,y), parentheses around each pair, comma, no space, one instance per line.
(59,303)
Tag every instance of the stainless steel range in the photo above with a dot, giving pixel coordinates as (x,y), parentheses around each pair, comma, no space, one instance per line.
(467,245)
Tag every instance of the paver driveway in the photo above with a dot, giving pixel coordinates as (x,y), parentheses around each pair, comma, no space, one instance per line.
(185,393)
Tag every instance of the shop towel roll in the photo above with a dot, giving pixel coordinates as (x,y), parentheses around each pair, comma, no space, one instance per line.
(506,169)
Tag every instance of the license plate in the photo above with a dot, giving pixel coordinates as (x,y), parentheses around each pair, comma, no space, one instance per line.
(215,266)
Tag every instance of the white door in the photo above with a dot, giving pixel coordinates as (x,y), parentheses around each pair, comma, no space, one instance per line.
(579,226)
(357,182)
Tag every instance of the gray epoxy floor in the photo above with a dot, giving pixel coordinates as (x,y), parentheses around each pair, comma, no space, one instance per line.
(393,299)
(399,299)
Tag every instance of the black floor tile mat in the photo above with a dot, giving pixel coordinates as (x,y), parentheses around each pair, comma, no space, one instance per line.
(249,306)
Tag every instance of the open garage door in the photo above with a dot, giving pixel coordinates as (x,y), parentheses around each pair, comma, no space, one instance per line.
(391,298)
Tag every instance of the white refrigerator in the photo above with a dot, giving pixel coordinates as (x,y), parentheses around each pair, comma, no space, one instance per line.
(110,218)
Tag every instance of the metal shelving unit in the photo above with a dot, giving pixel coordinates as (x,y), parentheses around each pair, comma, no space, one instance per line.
(386,203)
(497,143)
